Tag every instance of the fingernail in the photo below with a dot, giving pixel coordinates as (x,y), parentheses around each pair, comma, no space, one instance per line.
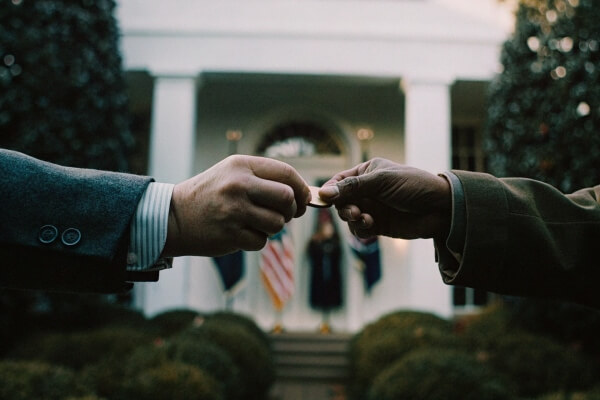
(363,223)
(329,192)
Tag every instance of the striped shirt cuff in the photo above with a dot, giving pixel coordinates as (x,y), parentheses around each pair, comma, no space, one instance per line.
(149,229)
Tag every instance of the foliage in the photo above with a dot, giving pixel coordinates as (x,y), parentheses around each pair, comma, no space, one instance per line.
(62,92)
(433,374)
(248,352)
(174,381)
(79,349)
(544,108)
(210,358)
(387,340)
(538,365)
(171,322)
(21,380)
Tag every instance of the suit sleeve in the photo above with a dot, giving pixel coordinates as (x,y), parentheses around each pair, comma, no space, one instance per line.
(64,228)
(524,237)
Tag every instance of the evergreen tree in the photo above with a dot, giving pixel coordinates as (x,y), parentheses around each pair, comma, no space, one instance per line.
(544,123)
(62,92)
(62,99)
(544,108)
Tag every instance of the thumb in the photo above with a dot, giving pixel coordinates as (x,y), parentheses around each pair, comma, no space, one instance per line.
(350,188)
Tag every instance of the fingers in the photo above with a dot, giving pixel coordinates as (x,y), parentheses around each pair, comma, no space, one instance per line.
(274,196)
(278,171)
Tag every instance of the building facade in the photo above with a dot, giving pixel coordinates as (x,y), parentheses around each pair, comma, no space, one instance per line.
(408,77)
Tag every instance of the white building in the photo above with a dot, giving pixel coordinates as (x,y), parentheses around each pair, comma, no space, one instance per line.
(413,72)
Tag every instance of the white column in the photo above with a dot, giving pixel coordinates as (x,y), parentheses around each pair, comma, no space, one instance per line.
(172,147)
(427,146)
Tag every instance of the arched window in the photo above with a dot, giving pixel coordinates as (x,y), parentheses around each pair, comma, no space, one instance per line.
(298,139)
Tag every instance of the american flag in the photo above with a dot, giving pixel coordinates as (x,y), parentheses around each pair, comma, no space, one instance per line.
(277,268)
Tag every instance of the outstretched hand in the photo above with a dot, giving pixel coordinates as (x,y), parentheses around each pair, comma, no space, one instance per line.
(234,205)
(380,197)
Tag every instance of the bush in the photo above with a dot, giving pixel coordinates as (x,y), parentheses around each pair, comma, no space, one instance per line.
(210,358)
(172,322)
(107,377)
(438,375)
(243,321)
(252,357)
(387,340)
(539,365)
(21,380)
(77,350)
(173,381)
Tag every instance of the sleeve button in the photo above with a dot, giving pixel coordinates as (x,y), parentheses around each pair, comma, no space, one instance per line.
(48,233)
(71,237)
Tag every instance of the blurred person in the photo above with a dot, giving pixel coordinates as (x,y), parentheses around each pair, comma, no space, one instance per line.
(86,230)
(513,236)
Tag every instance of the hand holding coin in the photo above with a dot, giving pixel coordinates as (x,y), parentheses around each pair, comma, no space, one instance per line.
(316,201)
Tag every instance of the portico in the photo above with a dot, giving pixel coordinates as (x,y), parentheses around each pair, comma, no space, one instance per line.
(389,65)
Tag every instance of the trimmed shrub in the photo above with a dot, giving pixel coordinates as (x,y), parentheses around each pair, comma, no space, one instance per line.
(77,350)
(20,380)
(172,322)
(252,357)
(539,365)
(387,340)
(107,377)
(210,358)
(242,320)
(438,375)
(173,381)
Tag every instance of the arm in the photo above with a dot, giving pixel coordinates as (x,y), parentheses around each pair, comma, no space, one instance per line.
(98,205)
(234,205)
(511,236)
(524,237)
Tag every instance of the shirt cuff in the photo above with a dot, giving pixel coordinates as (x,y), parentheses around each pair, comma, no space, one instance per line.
(450,256)
(148,232)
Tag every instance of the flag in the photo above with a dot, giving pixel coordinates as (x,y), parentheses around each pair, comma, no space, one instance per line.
(231,269)
(367,252)
(277,268)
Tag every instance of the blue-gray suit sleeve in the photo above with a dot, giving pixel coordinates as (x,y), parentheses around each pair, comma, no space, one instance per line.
(64,228)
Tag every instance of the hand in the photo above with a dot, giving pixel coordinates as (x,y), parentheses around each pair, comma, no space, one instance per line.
(235,205)
(380,197)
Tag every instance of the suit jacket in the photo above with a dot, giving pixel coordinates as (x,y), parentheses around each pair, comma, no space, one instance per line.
(64,228)
(524,237)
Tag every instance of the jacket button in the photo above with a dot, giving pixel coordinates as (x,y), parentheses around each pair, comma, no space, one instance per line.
(48,233)
(71,237)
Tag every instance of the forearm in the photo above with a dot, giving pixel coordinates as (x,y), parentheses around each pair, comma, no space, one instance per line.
(99,205)
(524,237)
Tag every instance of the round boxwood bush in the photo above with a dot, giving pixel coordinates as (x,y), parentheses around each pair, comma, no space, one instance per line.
(23,380)
(251,355)
(107,377)
(77,350)
(242,320)
(173,322)
(540,365)
(209,357)
(387,340)
(173,381)
(434,374)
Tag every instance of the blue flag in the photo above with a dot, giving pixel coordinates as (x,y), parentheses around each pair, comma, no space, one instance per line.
(367,251)
(231,269)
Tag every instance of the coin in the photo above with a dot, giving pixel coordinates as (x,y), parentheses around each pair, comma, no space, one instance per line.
(316,201)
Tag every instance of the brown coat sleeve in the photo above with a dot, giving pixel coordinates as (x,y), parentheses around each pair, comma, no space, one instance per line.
(524,237)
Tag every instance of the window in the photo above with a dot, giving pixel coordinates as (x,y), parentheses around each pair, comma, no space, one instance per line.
(468,154)
(298,139)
